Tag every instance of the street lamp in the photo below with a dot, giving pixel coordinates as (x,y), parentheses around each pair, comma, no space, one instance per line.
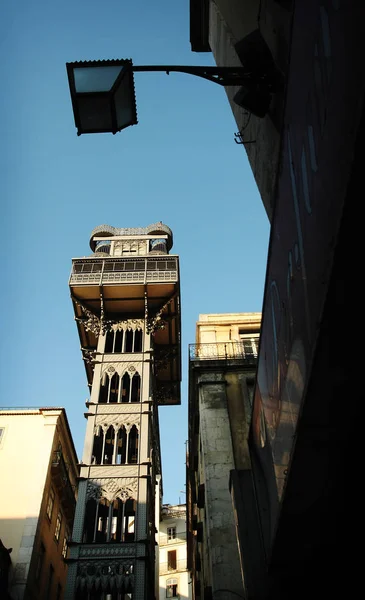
(103,98)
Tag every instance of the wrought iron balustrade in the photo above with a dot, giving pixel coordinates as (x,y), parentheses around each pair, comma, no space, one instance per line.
(123,271)
(165,539)
(61,479)
(223,351)
(179,565)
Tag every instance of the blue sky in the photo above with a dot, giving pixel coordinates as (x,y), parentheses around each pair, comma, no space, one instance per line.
(180,165)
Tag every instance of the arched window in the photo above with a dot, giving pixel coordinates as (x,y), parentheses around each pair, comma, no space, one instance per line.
(109,521)
(98,446)
(121,454)
(129,335)
(116,521)
(128,530)
(109,389)
(133,445)
(126,384)
(89,523)
(104,389)
(138,340)
(102,519)
(118,341)
(108,452)
(109,341)
(114,388)
(171,588)
(136,388)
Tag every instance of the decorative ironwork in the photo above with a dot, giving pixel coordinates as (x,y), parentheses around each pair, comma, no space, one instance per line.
(128,324)
(124,231)
(105,550)
(89,356)
(164,393)
(93,323)
(122,487)
(105,576)
(157,322)
(61,479)
(164,357)
(223,350)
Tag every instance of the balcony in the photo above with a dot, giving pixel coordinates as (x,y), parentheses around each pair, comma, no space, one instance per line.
(168,569)
(141,270)
(165,540)
(61,480)
(241,351)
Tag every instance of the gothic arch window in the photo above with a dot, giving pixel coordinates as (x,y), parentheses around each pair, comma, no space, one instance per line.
(133,445)
(108,451)
(126,385)
(109,341)
(118,341)
(115,445)
(101,522)
(114,389)
(128,530)
(129,338)
(109,521)
(121,447)
(109,389)
(136,388)
(98,446)
(89,524)
(138,340)
(104,389)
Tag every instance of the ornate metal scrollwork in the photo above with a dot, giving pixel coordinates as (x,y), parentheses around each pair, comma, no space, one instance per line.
(157,322)
(128,324)
(122,487)
(163,357)
(106,575)
(163,394)
(93,323)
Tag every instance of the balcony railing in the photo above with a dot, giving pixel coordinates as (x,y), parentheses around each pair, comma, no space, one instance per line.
(142,270)
(61,479)
(165,539)
(224,351)
(166,568)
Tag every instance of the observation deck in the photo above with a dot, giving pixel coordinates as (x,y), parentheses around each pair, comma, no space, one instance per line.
(131,276)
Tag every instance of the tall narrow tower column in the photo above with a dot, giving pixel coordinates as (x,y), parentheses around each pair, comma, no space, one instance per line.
(126,300)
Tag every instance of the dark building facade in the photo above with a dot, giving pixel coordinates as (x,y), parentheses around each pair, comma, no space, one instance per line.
(304,447)
(222,369)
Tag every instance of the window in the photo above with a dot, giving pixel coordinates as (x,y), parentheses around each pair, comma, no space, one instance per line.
(119,341)
(113,390)
(133,446)
(171,533)
(50,503)
(171,588)
(250,344)
(115,446)
(109,521)
(171,560)
(65,543)
(50,583)
(40,561)
(58,527)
